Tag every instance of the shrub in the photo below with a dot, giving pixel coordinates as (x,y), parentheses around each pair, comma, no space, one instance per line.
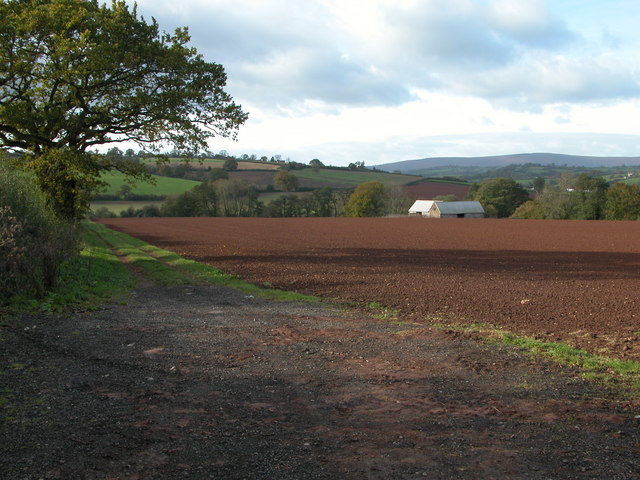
(102,212)
(33,240)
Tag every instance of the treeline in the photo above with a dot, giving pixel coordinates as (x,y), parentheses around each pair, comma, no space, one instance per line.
(238,198)
(570,197)
(583,197)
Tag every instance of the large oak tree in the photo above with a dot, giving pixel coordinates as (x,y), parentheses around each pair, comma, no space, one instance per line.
(75,74)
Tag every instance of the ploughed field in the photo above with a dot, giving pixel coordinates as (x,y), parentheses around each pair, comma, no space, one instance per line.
(571,281)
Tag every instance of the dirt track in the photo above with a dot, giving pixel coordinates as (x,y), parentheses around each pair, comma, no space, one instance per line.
(574,281)
(202,382)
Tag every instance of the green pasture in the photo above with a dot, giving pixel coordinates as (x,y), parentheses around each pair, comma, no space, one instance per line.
(164,185)
(631,181)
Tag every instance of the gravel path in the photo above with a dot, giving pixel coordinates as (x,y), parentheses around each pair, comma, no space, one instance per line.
(204,382)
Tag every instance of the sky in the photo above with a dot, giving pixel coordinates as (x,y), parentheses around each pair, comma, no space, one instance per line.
(380,81)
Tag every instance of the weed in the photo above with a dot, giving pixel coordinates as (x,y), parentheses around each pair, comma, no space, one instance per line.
(621,373)
(381,312)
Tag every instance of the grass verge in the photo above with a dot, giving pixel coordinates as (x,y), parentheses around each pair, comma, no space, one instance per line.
(85,282)
(621,374)
(167,268)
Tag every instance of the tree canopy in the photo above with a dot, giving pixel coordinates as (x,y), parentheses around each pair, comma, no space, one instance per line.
(622,202)
(286,180)
(75,74)
(367,200)
(499,196)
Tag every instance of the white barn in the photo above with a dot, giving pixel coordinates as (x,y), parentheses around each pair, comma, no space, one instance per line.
(422,207)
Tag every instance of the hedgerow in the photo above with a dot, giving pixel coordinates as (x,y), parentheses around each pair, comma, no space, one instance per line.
(33,240)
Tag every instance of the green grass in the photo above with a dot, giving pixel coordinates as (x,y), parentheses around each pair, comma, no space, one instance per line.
(624,374)
(164,185)
(168,268)
(383,313)
(631,181)
(85,282)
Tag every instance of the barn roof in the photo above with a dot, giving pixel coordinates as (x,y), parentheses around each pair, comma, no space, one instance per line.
(422,206)
(456,208)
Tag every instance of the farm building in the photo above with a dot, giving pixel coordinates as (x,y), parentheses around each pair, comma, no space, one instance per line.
(421,207)
(456,210)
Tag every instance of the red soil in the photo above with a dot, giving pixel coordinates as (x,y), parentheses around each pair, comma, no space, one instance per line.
(572,281)
(430,190)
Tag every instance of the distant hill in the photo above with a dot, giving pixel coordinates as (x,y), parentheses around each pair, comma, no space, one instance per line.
(415,166)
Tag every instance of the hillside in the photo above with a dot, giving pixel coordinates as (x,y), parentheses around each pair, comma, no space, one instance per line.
(164,185)
(424,165)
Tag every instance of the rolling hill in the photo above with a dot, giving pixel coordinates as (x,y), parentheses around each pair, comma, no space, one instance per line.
(416,166)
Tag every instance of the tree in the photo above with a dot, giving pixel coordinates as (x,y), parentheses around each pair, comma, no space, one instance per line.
(538,184)
(531,209)
(284,206)
(125,191)
(316,165)
(367,200)
(500,196)
(396,200)
(622,202)
(287,181)
(217,174)
(230,164)
(237,198)
(114,152)
(591,193)
(323,203)
(74,74)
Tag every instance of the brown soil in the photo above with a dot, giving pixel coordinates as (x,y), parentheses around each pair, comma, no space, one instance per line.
(572,281)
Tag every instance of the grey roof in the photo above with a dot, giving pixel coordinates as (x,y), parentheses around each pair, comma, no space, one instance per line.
(456,208)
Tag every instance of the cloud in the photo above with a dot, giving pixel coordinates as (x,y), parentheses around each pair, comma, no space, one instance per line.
(449,34)
(325,76)
(542,80)
(529,23)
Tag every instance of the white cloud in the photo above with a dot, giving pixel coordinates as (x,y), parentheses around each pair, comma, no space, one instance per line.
(393,77)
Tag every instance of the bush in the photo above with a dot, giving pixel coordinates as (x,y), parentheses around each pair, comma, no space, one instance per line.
(102,212)
(33,240)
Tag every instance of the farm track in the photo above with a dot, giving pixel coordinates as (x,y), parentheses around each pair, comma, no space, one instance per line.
(572,281)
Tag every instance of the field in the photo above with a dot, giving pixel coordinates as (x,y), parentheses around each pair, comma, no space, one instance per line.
(428,190)
(219,163)
(164,185)
(348,178)
(570,281)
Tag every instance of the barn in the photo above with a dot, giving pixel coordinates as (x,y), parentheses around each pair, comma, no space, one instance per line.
(456,210)
(421,207)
